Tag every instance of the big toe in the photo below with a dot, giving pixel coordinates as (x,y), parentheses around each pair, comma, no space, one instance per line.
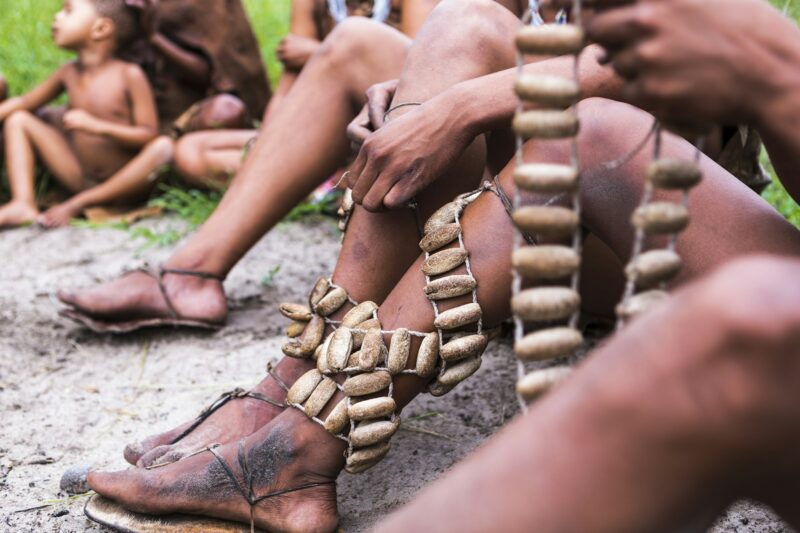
(67,297)
(119,486)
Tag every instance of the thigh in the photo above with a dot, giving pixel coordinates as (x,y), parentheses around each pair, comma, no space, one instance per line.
(57,154)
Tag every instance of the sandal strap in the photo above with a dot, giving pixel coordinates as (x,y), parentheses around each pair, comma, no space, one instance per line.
(158,273)
(194,273)
(224,398)
(248,492)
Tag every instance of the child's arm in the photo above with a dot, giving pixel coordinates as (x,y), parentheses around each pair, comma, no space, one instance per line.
(145,120)
(42,94)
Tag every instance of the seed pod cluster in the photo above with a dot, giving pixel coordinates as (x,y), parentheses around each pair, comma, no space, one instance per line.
(442,353)
(345,210)
(652,270)
(546,111)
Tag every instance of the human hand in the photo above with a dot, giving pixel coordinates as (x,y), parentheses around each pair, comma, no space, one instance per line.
(370,119)
(78,119)
(148,15)
(697,61)
(59,215)
(294,51)
(407,154)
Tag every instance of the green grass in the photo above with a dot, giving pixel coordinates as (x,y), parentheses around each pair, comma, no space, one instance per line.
(28,55)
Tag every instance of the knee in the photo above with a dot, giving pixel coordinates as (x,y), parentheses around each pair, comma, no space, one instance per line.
(480,19)
(350,40)
(189,155)
(162,149)
(226,111)
(18,120)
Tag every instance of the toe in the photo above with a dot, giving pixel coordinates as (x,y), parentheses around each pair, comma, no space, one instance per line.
(113,485)
(67,297)
(154,456)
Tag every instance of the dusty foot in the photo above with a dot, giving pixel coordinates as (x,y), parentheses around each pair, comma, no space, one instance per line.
(289,452)
(15,214)
(136,295)
(59,215)
(235,420)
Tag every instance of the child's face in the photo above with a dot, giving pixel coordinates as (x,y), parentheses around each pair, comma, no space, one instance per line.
(72,26)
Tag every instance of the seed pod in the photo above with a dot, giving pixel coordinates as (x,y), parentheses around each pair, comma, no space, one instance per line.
(371,350)
(319,291)
(321,355)
(320,350)
(464,347)
(540,381)
(295,329)
(545,262)
(364,384)
(337,419)
(303,387)
(653,267)
(359,314)
(428,355)
(545,303)
(399,349)
(294,349)
(640,304)
(365,458)
(550,39)
(437,389)
(458,316)
(450,287)
(347,200)
(444,215)
(547,91)
(372,408)
(658,218)
(312,336)
(354,361)
(444,261)
(332,302)
(548,344)
(441,236)
(545,124)
(297,312)
(360,330)
(673,174)
(546,178)
(320,397)
(368,433)
(546,221)
(341,344)
(460,371)
(342,224)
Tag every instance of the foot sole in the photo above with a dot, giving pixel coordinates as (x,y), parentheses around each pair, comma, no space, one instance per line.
(112,515)
(129,326)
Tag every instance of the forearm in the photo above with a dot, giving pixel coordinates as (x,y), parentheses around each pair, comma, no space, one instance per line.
(129,136)
(193,67)
(779,126)
(10,106)
(489,102)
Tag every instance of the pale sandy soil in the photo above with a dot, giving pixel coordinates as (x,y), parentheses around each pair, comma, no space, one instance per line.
(68,397)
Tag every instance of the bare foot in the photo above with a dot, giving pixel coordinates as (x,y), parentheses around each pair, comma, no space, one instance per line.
(59,215)
(137,296)
(15,214)
(288,453)
(237,419)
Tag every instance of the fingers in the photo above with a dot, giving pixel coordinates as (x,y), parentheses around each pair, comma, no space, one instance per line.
(619,28)
(374,200)
(358,130)
(364,180)
(379,97)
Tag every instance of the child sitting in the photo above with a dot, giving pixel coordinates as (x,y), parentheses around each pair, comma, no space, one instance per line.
(111,116)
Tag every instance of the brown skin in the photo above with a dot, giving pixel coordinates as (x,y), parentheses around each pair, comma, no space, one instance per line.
(488,236)
(212,158)
(111,117)
(731,222)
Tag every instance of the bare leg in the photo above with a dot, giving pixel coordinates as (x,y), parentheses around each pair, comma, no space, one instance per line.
(383,243)
(131,184)
(26,136)
(696,399)
(488,232)
(209,159)
(280,171)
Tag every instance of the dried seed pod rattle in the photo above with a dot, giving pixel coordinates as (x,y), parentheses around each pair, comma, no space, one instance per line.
(556,309)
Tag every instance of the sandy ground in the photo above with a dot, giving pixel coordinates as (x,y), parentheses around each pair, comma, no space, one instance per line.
(69,397)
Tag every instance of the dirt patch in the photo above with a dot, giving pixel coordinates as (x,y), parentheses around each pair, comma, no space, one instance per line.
(69,397)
